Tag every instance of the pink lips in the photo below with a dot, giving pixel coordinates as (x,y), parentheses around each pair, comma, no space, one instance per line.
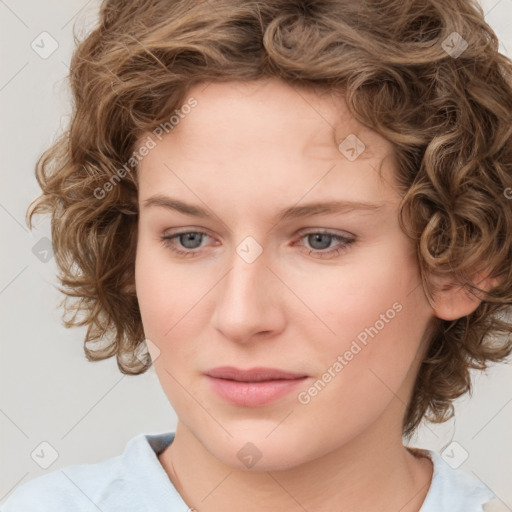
(254,387)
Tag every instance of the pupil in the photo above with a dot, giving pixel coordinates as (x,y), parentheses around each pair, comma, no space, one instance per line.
(318,236)
(190,237)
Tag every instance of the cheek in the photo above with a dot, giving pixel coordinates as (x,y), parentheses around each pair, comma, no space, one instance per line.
(172,306)
(165,301)
(366,291)
(368,364)
(157,301)
(377,314)
(165,292)
(150,291)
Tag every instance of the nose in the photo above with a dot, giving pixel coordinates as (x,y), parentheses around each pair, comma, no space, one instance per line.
(249,301)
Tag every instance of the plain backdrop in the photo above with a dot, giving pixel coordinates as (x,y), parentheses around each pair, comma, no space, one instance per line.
(52,399)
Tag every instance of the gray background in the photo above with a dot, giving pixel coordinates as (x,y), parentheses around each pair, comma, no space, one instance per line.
(49,391)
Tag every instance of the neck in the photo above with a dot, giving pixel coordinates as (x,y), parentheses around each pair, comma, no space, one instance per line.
(373,472)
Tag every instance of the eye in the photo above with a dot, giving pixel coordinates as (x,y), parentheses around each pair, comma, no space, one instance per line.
(321,240)
(190,239)
(190,242)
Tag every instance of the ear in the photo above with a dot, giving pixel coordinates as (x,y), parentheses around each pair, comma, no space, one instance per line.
(453,300)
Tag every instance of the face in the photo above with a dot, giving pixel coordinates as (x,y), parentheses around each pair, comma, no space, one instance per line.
(334,296)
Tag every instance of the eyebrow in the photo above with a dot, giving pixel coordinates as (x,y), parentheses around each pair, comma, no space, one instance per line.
(292,212)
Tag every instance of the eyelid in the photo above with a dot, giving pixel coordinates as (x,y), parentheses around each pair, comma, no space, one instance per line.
(171,232)
(325,231)
(344,242)
(300,233)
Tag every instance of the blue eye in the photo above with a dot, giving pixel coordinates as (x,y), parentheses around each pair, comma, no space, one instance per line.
(186,238)
(320,241)
(190,241)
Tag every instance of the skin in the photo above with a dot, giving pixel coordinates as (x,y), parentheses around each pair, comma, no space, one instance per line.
(245,152)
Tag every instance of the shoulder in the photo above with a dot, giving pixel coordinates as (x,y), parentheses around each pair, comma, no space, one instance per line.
(78,488)
(454,489)
(112,484)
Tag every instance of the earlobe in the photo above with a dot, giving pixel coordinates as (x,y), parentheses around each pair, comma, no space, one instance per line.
(453,300)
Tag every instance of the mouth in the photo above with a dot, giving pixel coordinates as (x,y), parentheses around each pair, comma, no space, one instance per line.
(255,387)
(258,374)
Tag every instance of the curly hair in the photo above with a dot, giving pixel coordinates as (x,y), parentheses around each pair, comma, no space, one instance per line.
(447,114)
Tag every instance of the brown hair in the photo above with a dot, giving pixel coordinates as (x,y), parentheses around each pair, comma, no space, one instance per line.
(448,116)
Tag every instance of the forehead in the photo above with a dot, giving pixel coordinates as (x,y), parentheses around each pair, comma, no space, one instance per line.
(275,113)
(267,138)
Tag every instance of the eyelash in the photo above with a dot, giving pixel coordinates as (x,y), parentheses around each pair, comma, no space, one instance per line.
(167,243)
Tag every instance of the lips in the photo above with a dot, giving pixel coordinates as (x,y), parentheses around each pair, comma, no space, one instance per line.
(258,374)
(255,387)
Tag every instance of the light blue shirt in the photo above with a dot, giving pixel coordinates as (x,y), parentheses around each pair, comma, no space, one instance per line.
(135,481)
